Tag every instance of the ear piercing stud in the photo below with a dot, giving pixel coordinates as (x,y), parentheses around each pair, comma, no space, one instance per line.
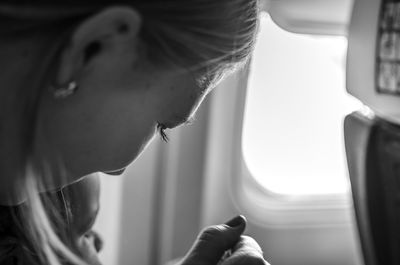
(62,92)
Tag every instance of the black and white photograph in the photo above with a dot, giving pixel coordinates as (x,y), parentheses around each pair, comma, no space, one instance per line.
(200,132)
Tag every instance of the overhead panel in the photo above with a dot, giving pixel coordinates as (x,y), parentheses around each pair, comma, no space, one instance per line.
(325,17)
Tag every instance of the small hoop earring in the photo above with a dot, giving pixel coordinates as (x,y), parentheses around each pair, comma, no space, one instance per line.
(65,91)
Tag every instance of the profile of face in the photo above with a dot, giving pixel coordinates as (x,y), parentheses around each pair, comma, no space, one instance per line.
(122,98)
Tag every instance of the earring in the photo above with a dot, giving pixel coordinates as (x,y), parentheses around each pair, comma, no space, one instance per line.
(65,91)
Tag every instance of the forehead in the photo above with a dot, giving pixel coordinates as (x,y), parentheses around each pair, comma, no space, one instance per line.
(205,77)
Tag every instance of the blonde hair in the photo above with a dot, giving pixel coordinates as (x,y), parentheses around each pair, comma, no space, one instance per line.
(208,36)
(48,246)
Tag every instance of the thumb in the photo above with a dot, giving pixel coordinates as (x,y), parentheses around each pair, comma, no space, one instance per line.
(213,241)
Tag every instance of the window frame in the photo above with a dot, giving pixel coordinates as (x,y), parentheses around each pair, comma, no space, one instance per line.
(249,197)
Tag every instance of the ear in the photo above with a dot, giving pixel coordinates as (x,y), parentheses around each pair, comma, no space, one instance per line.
(111,31)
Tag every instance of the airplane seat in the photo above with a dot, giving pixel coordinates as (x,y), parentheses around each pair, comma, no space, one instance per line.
(373,140)
(373,154)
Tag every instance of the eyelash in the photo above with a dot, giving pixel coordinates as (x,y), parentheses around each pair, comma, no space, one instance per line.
(161,130)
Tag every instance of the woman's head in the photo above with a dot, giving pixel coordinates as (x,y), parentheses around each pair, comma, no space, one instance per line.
(137,66)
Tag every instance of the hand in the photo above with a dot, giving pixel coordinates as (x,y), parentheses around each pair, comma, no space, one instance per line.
(214,241)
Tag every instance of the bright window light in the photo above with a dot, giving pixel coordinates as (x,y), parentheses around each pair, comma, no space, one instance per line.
(295,106)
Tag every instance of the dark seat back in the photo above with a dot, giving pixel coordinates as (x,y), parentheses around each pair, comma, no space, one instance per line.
(373,154)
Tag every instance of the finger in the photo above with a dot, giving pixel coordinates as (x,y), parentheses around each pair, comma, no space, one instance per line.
(215,240)
(247,244)
(96,240)
(246,251)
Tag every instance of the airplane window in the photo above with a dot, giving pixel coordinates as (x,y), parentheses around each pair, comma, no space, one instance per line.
(296,102)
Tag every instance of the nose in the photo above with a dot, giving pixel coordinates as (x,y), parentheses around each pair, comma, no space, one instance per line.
(116,172)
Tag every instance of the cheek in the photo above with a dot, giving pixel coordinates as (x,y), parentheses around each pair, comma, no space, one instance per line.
(120,143)
(102,137)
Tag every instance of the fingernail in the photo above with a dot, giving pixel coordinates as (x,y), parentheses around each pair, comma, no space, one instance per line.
(236,221)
